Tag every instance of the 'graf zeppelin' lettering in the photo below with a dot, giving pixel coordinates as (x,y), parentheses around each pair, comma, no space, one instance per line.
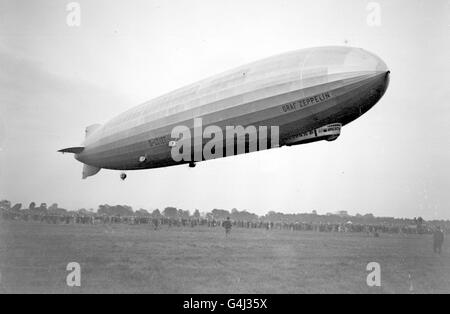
(158,141)
(298,104)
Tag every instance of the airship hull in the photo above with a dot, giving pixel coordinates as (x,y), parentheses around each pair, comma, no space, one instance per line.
(298,92)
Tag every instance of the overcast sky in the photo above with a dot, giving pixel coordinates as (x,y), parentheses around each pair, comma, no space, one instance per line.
(55,80)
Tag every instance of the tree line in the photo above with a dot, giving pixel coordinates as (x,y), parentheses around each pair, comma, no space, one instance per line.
(215,214)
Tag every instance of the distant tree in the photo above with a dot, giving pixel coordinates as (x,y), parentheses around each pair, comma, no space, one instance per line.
(117,210)
(220,214)
(243,215)
(274,216)
(170,212)
(5,204)
(369,216)
(342,213)
(142,213)
(43,207)
(32,206)
(196,214)
(57,211)
(156,213)
(127,210)
(183,214)
(83,211)
(122,210)
(314,212)
(420,225)
(17,207)
(53,207)
(103,209)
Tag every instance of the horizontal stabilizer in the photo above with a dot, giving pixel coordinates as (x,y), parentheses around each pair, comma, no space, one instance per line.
(73,150)
(90,171)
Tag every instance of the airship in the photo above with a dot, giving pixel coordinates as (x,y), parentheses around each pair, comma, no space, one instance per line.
(308,94)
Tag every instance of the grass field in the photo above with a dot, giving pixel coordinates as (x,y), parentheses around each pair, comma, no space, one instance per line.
(130,259)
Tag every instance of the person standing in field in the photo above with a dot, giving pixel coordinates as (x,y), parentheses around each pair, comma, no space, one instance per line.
(227,225)
(438,240)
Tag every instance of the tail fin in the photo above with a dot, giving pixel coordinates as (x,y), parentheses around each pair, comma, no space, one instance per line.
(91,128)
(89,171)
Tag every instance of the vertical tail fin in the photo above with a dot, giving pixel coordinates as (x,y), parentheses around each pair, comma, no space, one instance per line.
(91,128)
(89,171)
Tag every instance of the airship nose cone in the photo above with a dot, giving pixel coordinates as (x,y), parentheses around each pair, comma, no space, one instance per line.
(362,60)
(387,78)
(339,60)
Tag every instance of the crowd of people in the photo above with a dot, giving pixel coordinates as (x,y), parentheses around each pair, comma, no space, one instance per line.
(160,222)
